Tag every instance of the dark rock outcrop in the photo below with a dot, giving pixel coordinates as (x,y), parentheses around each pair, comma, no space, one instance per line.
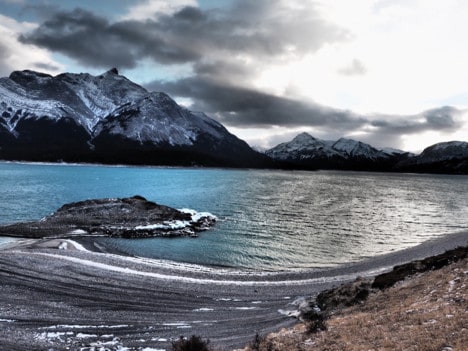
(398,273)
(133,217)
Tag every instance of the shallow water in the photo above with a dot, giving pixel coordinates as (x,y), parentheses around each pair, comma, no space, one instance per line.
(268,219)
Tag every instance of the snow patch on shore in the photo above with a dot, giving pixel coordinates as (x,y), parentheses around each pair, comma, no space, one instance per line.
(78,232)
(64,245)
(80,326)
(85,336)
(166,225)
(208,281)
(178,325)
(197,218)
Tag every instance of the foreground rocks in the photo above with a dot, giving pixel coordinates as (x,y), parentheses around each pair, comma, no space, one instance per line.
(133,217)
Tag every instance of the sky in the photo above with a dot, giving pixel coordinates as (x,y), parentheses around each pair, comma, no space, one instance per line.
(392,73)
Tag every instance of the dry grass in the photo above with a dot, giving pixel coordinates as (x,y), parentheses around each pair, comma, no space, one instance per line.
(427,312)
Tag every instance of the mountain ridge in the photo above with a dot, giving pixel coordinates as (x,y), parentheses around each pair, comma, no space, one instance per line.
(307,152)
(109,119)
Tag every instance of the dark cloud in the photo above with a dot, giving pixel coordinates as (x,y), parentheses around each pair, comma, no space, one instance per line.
(46,66)
(443,119)
(258,28)
(94,41)
(243,107)
(248,108)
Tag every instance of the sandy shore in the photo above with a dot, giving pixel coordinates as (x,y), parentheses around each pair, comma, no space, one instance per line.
(70,298)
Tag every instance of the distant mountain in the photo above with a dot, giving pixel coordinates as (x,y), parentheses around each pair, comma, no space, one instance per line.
(446,157)
(109,119)
(307,152)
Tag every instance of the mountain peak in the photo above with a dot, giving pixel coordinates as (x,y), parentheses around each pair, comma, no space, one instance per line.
(27,76)
(113,71)
(304,137)
(355,148)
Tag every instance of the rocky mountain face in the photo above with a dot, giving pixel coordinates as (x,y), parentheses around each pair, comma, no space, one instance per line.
(109,119)
(307,152)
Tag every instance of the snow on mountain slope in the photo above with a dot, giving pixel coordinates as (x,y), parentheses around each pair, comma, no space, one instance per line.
(94,118)
(98,102)
(303,146)
(394,152)
(157,118)
(16,103)
(447,157)
(102,94)
(354,148)
(444,151)
(32,95)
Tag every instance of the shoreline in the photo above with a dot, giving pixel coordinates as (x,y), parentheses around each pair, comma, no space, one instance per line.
(88,243)
(80,293)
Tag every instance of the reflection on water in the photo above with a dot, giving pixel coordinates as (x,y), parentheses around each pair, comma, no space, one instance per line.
(268,219)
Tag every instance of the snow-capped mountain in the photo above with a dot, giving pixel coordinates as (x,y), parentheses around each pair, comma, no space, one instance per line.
(444,151)
(394,152)
(108,118)
(446,157)
(309,152)
(303,147)
(352,148)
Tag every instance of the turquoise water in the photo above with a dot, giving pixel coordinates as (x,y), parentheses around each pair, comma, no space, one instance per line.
(267,219)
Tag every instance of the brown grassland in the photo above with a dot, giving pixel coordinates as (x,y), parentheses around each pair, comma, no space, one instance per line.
(424,312)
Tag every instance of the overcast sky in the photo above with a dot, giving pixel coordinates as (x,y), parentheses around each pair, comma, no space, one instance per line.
(388,72)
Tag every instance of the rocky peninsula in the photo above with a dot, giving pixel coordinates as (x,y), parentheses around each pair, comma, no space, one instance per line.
(133,217)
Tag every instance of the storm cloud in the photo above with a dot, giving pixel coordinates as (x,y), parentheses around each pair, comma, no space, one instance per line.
(256,28)
(244,107)
(445,118)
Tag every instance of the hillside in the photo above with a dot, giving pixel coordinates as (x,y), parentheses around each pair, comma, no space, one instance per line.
(426,311)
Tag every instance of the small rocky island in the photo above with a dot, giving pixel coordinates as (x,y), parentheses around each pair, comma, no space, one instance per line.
(133,217)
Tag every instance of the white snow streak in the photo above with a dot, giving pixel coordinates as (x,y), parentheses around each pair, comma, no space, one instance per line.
(203,281)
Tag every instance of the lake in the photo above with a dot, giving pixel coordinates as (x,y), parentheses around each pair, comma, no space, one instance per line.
(268,219)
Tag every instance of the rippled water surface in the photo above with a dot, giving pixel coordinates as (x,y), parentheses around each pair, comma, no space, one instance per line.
(268,219)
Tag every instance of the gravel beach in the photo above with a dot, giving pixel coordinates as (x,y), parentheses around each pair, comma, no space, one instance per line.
(56,295)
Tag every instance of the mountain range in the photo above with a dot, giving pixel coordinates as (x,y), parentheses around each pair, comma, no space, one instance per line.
(307,152)
(109,119)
